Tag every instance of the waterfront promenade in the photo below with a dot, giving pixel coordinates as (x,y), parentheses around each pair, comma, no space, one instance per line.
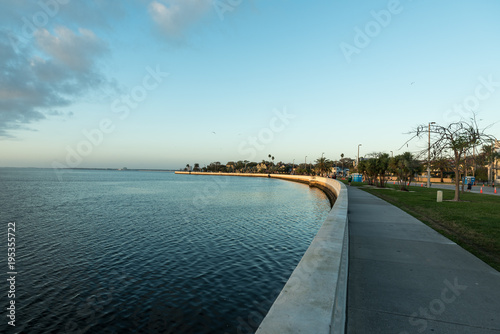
(406,278)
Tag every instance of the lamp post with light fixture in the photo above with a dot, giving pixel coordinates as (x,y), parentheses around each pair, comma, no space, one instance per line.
(358,156)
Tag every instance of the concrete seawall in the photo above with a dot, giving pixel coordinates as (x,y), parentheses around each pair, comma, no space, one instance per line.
(314,298)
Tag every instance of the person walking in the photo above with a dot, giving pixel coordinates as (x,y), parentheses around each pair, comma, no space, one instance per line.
(349,179)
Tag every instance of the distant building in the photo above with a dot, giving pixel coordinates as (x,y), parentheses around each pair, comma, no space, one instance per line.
(261,167)
(340,171)
(336,170)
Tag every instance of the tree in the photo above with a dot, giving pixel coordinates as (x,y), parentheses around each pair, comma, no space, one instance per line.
(404,166)
(271,163)
(239,165)
(213,166)
(230,166)
(382,167)
(362,169)
(453,140)
(443,165)
(323,165)
(371,170)
(196,167)
(490,154)
(375,168)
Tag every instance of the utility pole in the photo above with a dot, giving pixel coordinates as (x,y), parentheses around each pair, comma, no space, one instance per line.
(429,158)
(474,159)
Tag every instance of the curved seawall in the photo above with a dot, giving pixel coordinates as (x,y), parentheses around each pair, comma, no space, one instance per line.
(314,298)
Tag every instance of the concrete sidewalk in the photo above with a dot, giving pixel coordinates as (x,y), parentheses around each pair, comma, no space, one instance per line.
(406,278)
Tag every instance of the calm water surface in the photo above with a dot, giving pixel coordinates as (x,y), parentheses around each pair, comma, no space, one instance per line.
(151,252)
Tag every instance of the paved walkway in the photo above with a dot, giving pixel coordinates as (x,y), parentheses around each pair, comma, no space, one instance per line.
(406,278)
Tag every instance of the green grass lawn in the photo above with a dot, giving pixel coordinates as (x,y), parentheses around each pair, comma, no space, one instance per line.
(473,223)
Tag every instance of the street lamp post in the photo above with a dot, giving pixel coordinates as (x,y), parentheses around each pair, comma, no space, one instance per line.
(322,162)
(358,156)
(429,158)
(305,163)
(392,154)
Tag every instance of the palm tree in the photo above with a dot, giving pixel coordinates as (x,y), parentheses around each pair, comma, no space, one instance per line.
(491,155)
(271,157)
(382,167)
(443,165)
(323,165)
(404,166)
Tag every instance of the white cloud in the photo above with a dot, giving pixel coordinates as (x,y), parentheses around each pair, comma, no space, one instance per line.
(50,73)
(47,60)
(75,51)
(175,17)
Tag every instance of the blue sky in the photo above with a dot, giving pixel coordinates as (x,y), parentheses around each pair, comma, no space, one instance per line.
(159,84)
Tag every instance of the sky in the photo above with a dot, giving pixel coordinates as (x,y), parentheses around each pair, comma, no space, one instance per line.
(165,83)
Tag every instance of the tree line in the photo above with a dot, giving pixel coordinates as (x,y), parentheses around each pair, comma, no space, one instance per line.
(455,149)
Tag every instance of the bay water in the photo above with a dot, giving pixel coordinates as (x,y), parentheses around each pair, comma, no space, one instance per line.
(150,252)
